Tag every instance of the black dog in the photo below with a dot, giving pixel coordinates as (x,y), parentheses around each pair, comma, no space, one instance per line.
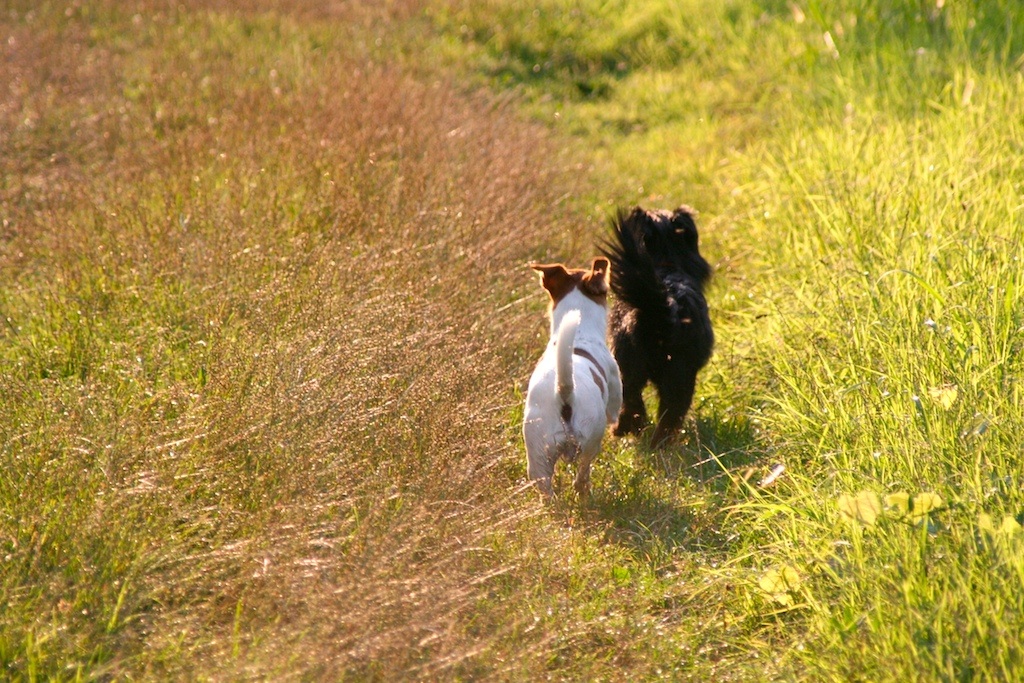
(660,328)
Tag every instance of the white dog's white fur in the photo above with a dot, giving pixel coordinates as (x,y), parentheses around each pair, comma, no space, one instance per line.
(575,392)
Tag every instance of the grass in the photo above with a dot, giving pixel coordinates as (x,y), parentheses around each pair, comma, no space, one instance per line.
(858,165)
(235,268)
(267,324)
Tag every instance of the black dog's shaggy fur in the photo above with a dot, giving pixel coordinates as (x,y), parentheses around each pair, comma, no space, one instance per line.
(660,328)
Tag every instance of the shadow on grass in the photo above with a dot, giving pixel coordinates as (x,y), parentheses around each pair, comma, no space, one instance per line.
(709,451)
(659,500)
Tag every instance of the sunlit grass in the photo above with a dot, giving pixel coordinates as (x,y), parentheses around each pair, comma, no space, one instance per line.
(254,404)
(858,165)
(265,323)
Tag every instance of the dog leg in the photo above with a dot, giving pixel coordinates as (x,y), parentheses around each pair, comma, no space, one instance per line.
(674,398)
(634,375)
(544,486)
(582,483)
(614,406)
(633,416)
(541,455)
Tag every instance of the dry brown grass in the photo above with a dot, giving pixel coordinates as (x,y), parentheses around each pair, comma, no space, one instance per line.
(266,311)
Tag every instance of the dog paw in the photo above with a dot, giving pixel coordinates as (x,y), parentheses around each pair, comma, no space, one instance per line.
(629,424)
(543,485)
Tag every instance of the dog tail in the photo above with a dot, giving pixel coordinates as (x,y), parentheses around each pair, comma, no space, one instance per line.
(564,339)
(634,279)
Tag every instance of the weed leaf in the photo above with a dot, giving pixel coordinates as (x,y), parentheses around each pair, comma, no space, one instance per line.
(945,395)
(1008,528)
(898,504)
(923,504)
(780,583)
(862,508)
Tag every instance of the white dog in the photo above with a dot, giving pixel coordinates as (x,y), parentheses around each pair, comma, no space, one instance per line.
(575,391)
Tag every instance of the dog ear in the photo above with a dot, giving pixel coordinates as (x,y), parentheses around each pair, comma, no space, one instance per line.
(637,220)
(642,224)
(684,225)
(554,278)
(687,211)
(596,281)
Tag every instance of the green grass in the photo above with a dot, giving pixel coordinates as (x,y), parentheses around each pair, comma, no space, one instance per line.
(266,324)
(862,197)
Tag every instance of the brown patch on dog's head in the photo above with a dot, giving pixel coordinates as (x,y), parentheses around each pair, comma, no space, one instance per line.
(556,279)
(595,283)
(559,281)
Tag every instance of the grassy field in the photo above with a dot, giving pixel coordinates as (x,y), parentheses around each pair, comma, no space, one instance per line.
(266,326)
